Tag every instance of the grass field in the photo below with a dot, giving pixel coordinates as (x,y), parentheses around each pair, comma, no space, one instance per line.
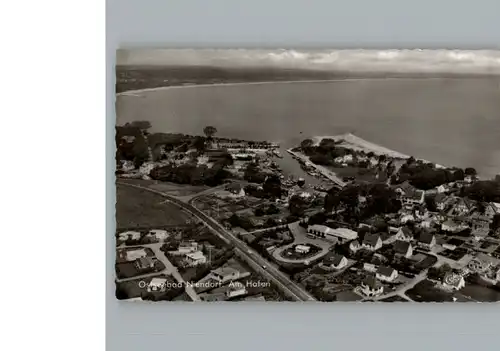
(141,208)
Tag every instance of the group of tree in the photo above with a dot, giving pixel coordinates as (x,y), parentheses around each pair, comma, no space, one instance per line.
(266,210)
(297,205)
(324,153)
(426,176)
(484,190)
(190,173)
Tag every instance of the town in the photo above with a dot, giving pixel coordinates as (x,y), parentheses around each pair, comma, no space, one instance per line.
(207,218)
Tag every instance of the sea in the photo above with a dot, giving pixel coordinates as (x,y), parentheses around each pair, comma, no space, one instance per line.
(449,121)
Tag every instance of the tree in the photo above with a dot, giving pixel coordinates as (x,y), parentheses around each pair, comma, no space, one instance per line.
(430,203)
(481,207)
(459,174)
(297,205)
(272,186)
(470,171)
(495,223)
(209,131)
(306,144)
(143,125)
(199,143)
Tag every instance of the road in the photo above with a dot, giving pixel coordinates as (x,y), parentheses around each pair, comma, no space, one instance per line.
(273,274)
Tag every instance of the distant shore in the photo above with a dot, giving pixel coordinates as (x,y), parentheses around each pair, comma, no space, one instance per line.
(194,85)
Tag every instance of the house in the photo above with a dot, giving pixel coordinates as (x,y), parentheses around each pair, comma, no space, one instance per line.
(426,223)
(371,287)
(224,274)
(236,190)
(388,238)
(372,242)
(414,198)
(404,188)
(130,235)
(132,255)
(144,263)
(334,261)
(406,217)
(491,210)
(404,234)
(354,246)
(479,233)
(369,267)
(464,206)
(452,226)
(302,249)
(426,240)
(442,201)
(387,274)
(195,258)
(157,285)
(341,235)
(186,247)
(479,221)
(235,289)
(158,234)
(403,249)
(453,281)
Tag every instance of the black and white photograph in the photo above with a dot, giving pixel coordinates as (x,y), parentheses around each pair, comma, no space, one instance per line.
(307,175)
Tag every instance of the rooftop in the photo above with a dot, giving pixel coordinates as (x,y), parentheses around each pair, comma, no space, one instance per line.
(401,247)
(371,239)
(385,271)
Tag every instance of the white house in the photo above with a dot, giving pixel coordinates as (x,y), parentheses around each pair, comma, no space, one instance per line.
(302,249)
(224,274)
(354,245)
(453,281)
(403,249)
(414,198)
(406,217)
(195,258)
(404,234)
(236,289)
(158,234)
(452,226)
(336,262)
(157,284)
(186,247)
(369,267)
(130,235)
(426,240)
(371,287)
(341,235)
(132,255)
(372,242)
(237,190)
(387,274)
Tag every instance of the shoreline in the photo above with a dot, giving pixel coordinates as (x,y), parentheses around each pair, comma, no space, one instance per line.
(145,90)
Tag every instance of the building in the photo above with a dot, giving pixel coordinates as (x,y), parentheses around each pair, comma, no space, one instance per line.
(452,226)
(371,287)
(442,201)
(236,289)
(144,263)
(130,235)
(453,281)
(341,235)
(354,246)
(195,258)
(406,217)
(215,155)
(302,249)
(404,234)
(158,234)
(413,198)
(426,240)
(479,233)
(464,206)
(334,261)
(369,267)
(186,247)
(157,285)
(132,255)
(372,242)
(236,190)
(224,274)
(403,249)
(386,274)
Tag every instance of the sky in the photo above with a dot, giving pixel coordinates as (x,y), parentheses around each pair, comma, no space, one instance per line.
(404,60)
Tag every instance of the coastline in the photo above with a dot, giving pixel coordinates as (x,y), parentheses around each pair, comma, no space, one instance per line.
(354,142)
(194,85)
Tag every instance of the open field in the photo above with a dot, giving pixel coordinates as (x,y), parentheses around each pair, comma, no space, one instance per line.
(141,208)
(167,187)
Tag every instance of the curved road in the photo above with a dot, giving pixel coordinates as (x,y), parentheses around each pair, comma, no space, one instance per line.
(270,272)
